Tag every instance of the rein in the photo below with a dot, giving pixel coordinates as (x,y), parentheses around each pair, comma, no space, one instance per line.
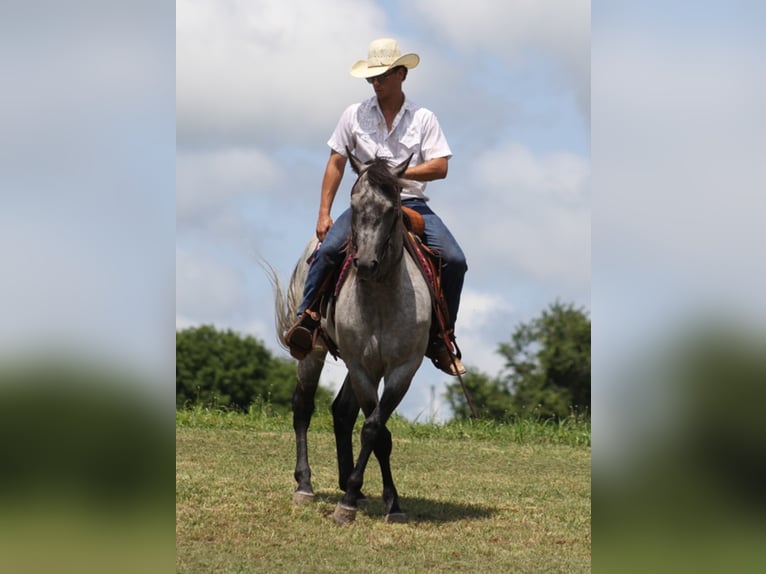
(474,414)
(410,243)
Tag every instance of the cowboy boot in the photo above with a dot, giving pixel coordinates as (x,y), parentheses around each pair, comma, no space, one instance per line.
(444,358)
(300,337)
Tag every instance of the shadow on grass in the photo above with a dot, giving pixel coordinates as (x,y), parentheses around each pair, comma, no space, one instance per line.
(417,509)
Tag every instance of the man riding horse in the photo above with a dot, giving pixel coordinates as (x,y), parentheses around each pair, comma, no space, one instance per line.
(392,127)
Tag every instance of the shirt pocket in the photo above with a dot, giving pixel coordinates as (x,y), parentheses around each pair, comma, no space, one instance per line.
(364,135)
(365,144)
(411,142)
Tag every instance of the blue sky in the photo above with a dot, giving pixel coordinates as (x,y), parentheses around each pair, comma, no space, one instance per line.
(260,86)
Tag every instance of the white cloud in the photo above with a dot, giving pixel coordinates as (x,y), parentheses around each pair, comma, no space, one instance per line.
(562,176)
(207,180)
(477,309)
(272,72)
(528,213)
(483,321)
(207,289)
(517,31)
(185,322)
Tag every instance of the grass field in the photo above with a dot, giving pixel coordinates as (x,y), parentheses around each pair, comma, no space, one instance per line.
(480,497)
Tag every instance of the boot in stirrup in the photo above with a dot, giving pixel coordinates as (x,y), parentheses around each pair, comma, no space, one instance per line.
(300,337)
(444,358)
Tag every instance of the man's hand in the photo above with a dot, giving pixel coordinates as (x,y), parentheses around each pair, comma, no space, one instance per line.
(324,223)
(333,173)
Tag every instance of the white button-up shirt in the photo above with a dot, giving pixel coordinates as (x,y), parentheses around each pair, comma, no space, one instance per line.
(363,129)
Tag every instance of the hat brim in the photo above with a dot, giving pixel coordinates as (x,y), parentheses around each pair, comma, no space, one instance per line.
(361,69)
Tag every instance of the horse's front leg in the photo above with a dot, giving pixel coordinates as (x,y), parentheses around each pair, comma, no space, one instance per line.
(382,449)
(345,511)
(376,438)
(395,387)
(308,373)
(345,410)
(363,388)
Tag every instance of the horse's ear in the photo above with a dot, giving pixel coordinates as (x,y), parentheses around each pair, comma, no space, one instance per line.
(398,171)
(356,165)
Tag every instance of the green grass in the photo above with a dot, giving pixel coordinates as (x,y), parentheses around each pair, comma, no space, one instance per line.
(480,497)
(571,431)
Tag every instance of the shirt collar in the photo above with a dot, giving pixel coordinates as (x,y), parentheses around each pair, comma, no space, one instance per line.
(408,105)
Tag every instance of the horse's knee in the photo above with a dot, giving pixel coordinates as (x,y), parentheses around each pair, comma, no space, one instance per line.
(371,431)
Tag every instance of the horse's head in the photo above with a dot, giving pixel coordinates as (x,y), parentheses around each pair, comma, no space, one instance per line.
(376,236)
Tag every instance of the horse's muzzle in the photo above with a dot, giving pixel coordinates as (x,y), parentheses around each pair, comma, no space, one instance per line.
(366,268)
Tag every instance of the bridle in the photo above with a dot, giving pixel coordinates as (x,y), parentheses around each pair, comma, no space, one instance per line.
(386,248)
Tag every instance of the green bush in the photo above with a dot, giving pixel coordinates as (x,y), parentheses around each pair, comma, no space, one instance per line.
(225,369)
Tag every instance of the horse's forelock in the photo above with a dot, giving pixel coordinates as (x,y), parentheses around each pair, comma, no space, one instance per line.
(378,175)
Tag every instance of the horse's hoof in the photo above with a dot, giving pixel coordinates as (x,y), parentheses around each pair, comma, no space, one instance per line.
(396,518)
(343,515)
(300,498)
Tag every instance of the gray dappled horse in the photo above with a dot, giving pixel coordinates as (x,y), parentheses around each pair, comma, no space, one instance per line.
(380,322)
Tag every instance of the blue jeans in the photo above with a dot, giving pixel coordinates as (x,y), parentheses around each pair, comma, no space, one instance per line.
(437,237)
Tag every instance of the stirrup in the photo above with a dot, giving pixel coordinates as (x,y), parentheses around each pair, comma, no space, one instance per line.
(444,359)
(300,338)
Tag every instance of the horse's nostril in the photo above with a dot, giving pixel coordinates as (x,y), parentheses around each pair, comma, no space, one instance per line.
(365,267)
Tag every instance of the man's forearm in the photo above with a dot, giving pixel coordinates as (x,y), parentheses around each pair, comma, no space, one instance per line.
(428,171)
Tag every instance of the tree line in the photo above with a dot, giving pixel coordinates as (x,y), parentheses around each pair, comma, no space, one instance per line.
(224,369)
(546,372)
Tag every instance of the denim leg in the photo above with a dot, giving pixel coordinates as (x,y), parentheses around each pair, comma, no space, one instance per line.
(326,258)
(454,264)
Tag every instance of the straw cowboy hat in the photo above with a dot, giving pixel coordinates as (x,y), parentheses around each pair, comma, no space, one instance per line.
(383,55)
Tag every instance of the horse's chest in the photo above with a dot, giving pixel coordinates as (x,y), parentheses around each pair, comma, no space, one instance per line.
(384,318)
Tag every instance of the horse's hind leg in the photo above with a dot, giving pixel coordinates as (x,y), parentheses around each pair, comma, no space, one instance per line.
(345,410)
(308,373)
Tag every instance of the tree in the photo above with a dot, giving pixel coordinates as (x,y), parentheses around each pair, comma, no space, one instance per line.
(547,367)
(546,373)
(223,368)
(490,397)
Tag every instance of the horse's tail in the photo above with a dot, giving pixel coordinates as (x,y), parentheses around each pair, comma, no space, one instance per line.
(286,302)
